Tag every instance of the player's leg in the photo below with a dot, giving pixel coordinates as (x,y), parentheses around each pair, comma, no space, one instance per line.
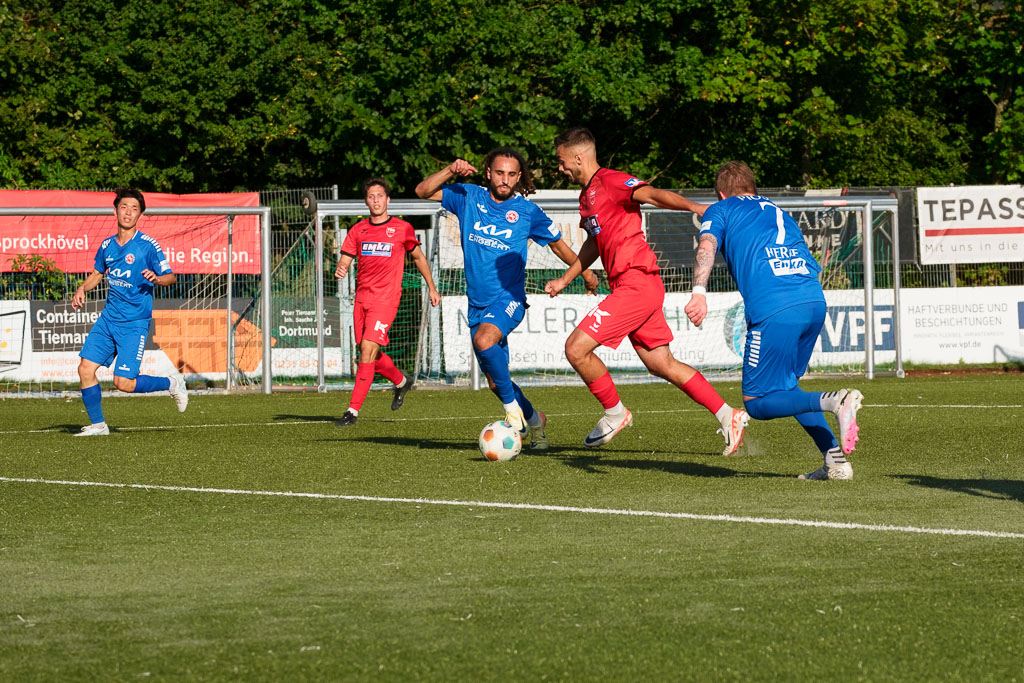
(403,381)
(490,328)
(98,350)
(130,342)
(371,333)
(579,351)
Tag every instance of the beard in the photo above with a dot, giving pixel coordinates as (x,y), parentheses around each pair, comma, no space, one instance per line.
(501,191)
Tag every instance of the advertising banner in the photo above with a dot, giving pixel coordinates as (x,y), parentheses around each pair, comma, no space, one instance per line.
(192,244)
(972,224)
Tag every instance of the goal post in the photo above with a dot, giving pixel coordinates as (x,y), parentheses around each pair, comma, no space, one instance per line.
(213,324)
(862,327)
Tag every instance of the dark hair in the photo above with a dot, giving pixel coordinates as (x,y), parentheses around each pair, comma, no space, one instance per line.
(129,192)
(734,178)
(376,181)
(525,185)
(574,137)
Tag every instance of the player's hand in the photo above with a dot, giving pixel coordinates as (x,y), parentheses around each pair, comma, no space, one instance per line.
(149,275)
(696,308)
(591,281)
(78,300)
(553,287)
(461,167)
(435,297)
(340,272)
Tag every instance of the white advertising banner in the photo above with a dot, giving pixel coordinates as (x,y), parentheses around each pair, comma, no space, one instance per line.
(971,224)
(962,324)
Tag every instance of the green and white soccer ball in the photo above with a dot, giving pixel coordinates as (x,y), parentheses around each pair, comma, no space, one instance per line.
(500,442)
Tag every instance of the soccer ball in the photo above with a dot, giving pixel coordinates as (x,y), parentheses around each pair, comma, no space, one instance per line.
(499,441)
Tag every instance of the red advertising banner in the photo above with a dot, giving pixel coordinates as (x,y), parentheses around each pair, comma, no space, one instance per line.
(192,243)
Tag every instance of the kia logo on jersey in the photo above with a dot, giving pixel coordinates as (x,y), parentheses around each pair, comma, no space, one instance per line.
(129,259)
(511,217)
(390,232)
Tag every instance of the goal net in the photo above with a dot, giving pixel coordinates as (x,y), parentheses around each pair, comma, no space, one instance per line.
(207,325)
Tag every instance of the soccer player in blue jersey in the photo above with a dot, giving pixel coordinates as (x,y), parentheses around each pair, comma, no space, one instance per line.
(133,264)
(785,310)
(495,223)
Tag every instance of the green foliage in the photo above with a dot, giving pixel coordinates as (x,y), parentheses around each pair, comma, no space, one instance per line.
(216,95)
(34,277)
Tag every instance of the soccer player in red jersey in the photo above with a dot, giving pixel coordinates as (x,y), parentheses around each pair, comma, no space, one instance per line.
(610,213)
(380,242)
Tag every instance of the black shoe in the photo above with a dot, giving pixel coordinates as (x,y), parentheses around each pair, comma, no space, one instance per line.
(401,391)
(346,420)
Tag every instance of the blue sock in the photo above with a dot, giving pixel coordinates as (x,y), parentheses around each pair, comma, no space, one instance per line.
(146,384)
(91,397)
(816,425)
(784,404)
(523,403)
(495,364)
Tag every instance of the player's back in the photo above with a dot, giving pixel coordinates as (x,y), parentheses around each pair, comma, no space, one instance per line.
(766,254)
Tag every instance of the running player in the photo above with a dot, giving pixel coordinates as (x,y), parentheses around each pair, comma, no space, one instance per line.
(785,309)
(495,223)
(380,243)
(133,264)
(610,213)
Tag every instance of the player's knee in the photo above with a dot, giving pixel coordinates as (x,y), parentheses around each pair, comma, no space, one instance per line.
(753,408)
(123,383)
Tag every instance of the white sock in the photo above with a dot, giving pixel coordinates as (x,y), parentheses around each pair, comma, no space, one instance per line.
(354,411)
(512,407)
(724,416)
(402,383)
(830,401)
(834,456)
(616,410)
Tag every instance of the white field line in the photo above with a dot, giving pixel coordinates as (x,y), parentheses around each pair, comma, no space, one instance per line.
(849,526)
(457,418)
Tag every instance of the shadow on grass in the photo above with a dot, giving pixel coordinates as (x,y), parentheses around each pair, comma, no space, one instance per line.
(591,463)
(309,418)
(999,489)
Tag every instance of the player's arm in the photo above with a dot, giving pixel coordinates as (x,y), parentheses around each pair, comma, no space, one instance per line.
(91,282)
(430,187)
(162,280)
(697,308)
(663,199)
(343,264)
(568,257)
(588,254)
(420,261)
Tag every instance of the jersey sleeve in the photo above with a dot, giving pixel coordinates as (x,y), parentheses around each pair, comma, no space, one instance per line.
(543,231)
(100,264)
(410,241)
(157,260)
(713,223)
(351,244)
(454,197)
(623,187)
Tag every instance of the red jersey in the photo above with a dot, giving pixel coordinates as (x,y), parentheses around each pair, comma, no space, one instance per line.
(380,251)
(613,218)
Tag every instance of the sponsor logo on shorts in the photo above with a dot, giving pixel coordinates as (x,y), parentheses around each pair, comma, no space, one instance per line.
(124,367)
(598,315)
(511,216)
(381,327)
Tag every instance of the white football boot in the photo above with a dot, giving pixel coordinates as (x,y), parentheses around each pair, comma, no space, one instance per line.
(846,413)
(607,427)
(179,392)
(95,429)
(824,473)
(734,437)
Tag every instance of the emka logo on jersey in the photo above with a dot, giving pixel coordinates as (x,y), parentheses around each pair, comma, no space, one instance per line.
(511,216)
(376,249)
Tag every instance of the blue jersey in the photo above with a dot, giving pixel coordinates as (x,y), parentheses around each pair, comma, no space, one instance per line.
(494,240)
(130,296)
(766,254)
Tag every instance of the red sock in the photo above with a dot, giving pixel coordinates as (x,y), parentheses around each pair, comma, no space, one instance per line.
(604,389)
(385,367)
(701,391)
(364,378)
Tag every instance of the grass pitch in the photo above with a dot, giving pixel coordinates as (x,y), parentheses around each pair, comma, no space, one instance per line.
(250,538)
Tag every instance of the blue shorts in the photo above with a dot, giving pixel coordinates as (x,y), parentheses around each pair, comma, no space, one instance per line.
(778,349)
(125,341)
(505,314)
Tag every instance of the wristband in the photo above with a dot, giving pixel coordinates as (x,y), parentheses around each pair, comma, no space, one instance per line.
(699,289)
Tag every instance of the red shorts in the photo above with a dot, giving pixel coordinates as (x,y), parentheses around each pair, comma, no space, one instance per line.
(634,310)
(372,322)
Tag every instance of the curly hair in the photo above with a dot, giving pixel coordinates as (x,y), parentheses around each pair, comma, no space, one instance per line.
(525,185)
